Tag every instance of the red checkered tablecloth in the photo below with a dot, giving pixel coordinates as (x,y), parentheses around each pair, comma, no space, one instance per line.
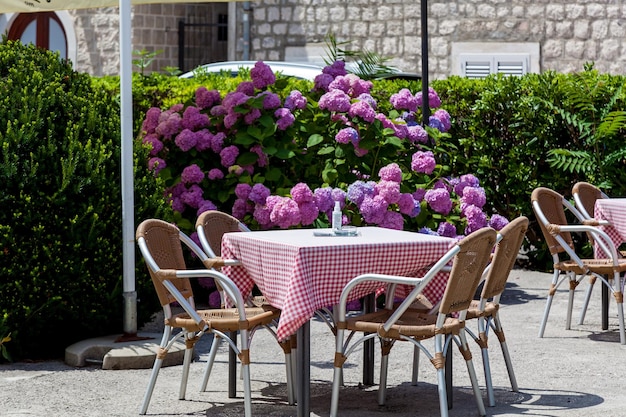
(301,273)
(612,210)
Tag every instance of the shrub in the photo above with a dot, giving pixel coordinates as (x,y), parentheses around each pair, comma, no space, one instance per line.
(60,227)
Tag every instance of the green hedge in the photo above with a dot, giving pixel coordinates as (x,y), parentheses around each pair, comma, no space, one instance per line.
(60,223)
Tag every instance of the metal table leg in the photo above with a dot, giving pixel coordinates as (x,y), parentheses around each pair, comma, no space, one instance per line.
(303,371)
(369,305)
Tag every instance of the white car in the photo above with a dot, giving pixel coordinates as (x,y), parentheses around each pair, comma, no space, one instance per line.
(298,70)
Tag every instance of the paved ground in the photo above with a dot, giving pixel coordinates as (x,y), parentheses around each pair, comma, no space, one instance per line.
(579,372)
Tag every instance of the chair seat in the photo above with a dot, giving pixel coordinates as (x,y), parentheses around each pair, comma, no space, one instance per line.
(599,266)
(413,323)
(226,319)
(473,312)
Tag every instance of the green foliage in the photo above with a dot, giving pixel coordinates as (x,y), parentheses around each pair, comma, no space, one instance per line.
(60,227)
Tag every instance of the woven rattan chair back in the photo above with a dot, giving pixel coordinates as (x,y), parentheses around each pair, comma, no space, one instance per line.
(467,268)
(586,195)
(507,250)
(215,224)
(163,241)
(551,205)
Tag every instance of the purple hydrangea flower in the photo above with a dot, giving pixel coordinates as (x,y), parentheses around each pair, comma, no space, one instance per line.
(262,75)
(369,99)
(389,190)
(433,99)
(259,193)
(215,174)
(156,165)
(284,118)
(419,194)
(301,193)
(392,220)
(285,213)
(498,222)
(241,208)
(192,174)
(193,119)
(251,116)
(193,196)
(206,99)
(263,159)
(391,172)
(151,121)
(373,209)
(423,162)
(347,135)
(444,117)
(435,123)
(404,100)
(270,100)
(474,196)
(335,100)
(205,205)
(416,134)
(336,69)
(446,229)
(295,100)
(186,140)
(476,219)
(363,110)
(308,212)
(242,190)
(470,179)
(407,205)
(322,81)
(246,87)
(169,124)
(203,140)
(358,190)
(339,195)
(324,199)
(217,142)
(439,200)
(229,155)
(156,145)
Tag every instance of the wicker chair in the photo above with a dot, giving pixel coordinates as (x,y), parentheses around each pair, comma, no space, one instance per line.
(485,310)
(211,226)
(549,208)
(469,258)
(160,245)
(585,196)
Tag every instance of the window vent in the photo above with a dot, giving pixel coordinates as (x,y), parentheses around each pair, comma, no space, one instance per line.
(481,65)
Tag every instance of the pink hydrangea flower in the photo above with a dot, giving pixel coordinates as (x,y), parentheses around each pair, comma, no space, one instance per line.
(301,193)
(186,140)
(295,100)
(391,172)
(439,200)
(423,162)
(215,174)
(335,100)
(389,190)
(404,100)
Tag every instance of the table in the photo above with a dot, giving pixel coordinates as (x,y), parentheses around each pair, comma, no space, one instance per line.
(612,210)
(301,273)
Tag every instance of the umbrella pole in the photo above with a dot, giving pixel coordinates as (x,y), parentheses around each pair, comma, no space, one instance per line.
(424,19)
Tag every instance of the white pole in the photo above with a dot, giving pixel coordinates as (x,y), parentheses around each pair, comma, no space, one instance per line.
(128,221)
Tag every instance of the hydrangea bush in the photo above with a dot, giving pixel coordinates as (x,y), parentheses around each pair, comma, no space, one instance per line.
(281,161)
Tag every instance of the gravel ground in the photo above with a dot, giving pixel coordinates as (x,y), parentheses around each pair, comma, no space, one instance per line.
(574,373)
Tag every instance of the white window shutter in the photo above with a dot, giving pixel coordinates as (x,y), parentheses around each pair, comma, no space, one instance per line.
(483,64)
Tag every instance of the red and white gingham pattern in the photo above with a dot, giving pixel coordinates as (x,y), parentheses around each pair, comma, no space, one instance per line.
(300,273)
(612,210)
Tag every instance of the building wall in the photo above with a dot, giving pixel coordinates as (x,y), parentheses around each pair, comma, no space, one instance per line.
(566,33)
(569,33)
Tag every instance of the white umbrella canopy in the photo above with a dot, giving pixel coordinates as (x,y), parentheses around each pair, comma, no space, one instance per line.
(126,115)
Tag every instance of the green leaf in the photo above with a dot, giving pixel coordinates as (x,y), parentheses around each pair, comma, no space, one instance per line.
(314,139)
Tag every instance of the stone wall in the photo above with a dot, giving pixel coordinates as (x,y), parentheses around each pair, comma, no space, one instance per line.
(569,33)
